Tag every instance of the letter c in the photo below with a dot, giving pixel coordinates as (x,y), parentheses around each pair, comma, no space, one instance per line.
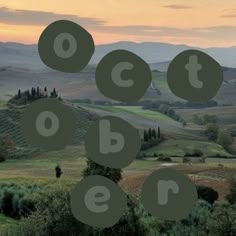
(116,74)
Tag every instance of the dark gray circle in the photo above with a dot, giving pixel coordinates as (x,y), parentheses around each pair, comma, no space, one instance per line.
(123,76)
(112,142)
(194,76)
(48,124)
(97,201)
(168,194)
(65,46)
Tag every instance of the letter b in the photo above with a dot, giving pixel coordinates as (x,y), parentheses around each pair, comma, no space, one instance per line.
(106,136)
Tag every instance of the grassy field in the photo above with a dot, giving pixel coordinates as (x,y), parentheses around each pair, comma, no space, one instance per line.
(144,119)
(180,147)
(39,169)
(6,222)
(225,114)
(136,110)
(145,113)
(73,161)
(160,82)
(10,118)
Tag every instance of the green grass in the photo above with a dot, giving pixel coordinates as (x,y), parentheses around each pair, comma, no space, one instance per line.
(3,104)
(226,115)
(160,82)
(6,221)
(8,225)
(135,110)
(10,119)
(179,148)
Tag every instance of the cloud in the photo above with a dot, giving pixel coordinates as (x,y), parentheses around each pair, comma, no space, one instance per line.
(27,17)
(177,6)
(38,18)
(229,15)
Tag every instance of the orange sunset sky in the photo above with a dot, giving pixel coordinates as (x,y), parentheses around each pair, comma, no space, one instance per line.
(204,23)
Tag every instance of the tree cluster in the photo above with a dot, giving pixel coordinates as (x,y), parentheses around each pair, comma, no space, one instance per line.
(6,145)
(32,94)
(205,119)
(222,137)
(151,138)
(151,134)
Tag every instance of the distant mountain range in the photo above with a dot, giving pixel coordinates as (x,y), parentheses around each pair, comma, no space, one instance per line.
(21,68)
(26,56)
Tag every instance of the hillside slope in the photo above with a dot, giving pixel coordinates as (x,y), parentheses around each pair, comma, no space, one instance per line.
(10,118)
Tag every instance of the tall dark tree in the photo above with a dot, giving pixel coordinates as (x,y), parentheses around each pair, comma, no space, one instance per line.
(28,94)
(54,93)
(58,171)
(45,89)
(145,136)
(149,133)
(154,134)
(38,92)
(32,92)
(19,93)
(159,132)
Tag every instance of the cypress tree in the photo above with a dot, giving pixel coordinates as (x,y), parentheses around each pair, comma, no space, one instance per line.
(154,134)
(19,93)
(32,92)
(145,136)
(54,92)
(159,132)
(149,134)
(38,93)
(28,94)
(58,171)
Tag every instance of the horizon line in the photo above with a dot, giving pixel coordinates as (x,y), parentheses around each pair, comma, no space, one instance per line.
(134,42)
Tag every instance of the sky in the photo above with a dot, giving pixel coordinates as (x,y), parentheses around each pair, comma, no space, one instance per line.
(204,23)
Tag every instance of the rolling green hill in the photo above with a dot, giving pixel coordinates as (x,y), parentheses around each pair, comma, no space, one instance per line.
(178,148)
(10,117)
(143,119)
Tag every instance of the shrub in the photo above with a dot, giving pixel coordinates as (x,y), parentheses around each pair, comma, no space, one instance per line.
(225,139)
(210,119)
(53,216)
(195,223)
(197,120)
(7,203)
(2,157)
(164,159)
(96,169)
(231,197)
(129,224)
(207,193)
(19,200)
(6,145)
(194,153)
(212,131)
(222,221)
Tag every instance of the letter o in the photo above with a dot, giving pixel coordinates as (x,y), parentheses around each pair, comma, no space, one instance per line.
(40,123)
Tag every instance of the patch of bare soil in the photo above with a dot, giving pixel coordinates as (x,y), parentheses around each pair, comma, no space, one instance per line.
(132,181)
